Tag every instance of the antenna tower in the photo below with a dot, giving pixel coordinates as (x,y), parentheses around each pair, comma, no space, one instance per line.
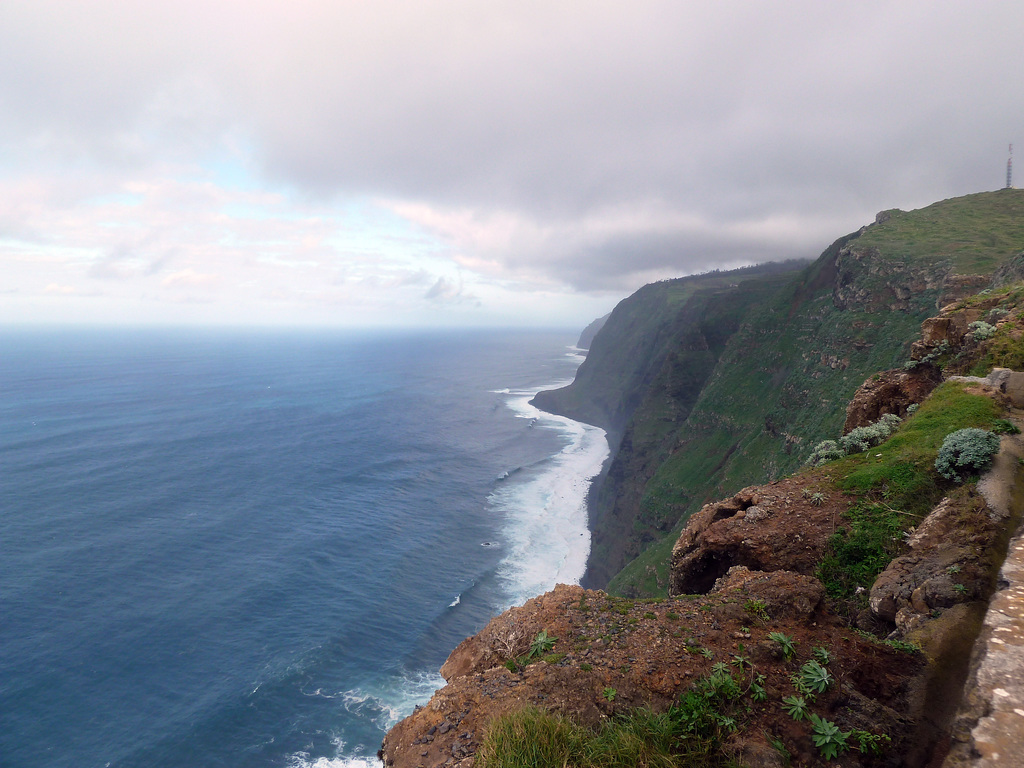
(1009,170)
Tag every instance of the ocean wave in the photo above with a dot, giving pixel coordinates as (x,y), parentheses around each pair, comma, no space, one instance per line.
(391,699)
(546,529)
(340,760)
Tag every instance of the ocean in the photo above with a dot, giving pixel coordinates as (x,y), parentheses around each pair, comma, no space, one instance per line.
(229,548)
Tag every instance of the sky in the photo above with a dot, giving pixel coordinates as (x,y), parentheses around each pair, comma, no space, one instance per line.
(467,163)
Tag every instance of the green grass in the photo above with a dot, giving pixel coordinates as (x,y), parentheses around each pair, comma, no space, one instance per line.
(977,232)
(896,485)
(690,733)
(904,474)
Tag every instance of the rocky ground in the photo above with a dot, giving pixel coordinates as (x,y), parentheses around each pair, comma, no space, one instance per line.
(613,655)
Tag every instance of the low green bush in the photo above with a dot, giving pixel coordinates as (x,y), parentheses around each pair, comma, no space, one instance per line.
(966,451)
(857,440)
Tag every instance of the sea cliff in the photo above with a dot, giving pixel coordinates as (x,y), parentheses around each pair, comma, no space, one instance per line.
(772,613)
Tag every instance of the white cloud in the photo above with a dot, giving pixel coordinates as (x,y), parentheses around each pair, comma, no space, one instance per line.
(360,156)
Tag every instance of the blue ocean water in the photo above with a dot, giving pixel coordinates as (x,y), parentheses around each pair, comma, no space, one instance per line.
(256,549)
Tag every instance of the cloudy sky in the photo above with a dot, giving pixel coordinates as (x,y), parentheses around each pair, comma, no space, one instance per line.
(323,162)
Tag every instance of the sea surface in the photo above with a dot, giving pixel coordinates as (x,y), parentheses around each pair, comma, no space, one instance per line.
(257,548)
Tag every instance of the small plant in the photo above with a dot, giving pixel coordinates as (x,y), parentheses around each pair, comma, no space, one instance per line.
(812,678)
(649,615)
(757,608)
(897,645)
(511,665)
(980,330)
(817,499)
(827,737)
(585,667)
(757,690)
(822,655)
(912,409)
(869,742)
(796,707)
(966,449)
(609,694)
(672,616)
(952,569)
(960,589)
(541,644)
(1005,427)
(779,746)
(707,653)
(786,644)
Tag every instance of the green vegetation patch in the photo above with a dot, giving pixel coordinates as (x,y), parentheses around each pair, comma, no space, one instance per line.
(691,733)
(901,471)
(897,485)
(975,232)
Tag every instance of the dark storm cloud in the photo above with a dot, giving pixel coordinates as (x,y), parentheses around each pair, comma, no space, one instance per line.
(770,128)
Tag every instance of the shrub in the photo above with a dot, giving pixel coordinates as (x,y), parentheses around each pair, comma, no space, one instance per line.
(981,330)
(966,449)
(855,441)
(825,452)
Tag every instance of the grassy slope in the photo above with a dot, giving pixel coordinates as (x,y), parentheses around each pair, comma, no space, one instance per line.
(976,231)
(784,380)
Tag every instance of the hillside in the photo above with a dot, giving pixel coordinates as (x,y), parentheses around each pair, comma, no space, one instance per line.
(713,383)
(835,614)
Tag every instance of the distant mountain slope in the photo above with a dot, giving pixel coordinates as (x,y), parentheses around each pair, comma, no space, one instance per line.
(587,337)
(712,383)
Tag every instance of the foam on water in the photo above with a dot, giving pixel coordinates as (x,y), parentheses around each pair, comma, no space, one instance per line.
(547,533)
(304,760)
(385,703)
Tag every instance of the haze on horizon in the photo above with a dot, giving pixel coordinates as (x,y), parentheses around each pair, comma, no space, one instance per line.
(459,163)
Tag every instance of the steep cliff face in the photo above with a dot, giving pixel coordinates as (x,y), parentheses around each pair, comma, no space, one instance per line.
(645,371)
(682,323)
(711,386)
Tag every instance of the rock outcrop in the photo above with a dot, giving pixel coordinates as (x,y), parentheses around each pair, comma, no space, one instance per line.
(783,526)
(890,392)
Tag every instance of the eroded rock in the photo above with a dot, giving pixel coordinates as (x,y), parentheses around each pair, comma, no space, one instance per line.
(890,392)
(776,527)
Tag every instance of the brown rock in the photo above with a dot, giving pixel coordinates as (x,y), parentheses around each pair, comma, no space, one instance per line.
(890,392)
(780,531)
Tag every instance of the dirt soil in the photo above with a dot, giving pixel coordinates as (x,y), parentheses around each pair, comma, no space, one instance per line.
(613,655)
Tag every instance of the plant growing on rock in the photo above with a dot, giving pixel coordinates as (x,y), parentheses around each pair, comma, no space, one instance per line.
(812,678)
(969,450)
(828,737)
(786,644)
(980,330)
(541,644)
